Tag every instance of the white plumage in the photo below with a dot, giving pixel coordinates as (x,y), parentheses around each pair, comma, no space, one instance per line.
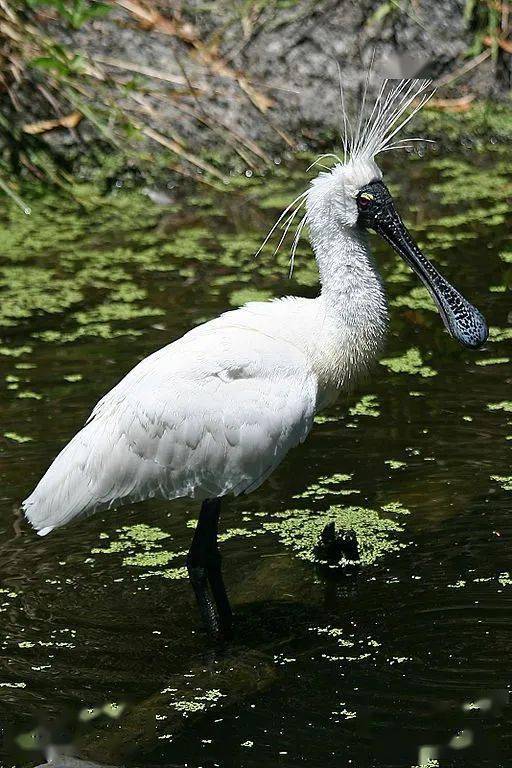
(211,414)
(216,411)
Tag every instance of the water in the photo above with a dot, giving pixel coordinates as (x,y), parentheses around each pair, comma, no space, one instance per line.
(402,661)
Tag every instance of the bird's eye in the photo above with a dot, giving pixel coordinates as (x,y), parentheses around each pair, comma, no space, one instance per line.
(364,199)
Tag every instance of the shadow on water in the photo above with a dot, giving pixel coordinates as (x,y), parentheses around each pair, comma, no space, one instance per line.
(401,662)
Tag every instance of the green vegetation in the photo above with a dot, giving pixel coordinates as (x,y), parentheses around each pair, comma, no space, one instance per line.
(481,122)
(300,530)
(504,405)
(44,71)
(493,361)
(115,113)
(333,485)
(101,263)
(394,464)
(368,405)
(500,334)
(417,298)
(141,547)
(76,13)
(486,20)
(15,437)
(410,362)
(504,480)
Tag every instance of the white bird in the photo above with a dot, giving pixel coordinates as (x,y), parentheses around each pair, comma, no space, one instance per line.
(216,411)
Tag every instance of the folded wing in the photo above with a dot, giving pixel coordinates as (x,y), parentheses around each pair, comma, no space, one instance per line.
(211,414)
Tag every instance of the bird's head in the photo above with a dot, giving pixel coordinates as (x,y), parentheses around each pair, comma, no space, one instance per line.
(333,194)
(352,195)
(376,211)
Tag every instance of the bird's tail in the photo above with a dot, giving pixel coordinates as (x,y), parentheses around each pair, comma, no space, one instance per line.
(81,480)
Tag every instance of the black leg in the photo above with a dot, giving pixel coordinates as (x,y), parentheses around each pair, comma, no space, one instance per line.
(204,570)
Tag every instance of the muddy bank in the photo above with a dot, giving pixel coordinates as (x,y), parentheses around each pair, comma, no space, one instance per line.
(252,79)
(273,69)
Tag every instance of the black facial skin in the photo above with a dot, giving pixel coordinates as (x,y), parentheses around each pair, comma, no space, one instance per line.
(462,320)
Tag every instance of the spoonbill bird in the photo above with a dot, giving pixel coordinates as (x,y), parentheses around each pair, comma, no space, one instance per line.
(216,411)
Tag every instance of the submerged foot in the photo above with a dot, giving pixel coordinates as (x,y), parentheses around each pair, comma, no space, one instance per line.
(335,546)
(204,565)
(212,601)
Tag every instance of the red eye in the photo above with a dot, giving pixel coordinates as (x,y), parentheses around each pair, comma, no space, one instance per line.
(363,201)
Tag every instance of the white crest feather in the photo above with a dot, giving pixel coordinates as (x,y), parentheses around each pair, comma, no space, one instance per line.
(397,102)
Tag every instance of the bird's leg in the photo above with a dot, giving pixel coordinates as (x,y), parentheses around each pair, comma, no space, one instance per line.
(204,569)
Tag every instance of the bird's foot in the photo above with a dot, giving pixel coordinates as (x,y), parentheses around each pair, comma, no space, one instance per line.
(211,597)
(204,569)
(333,547)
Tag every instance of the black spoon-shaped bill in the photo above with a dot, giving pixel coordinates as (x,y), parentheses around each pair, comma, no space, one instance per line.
(463,321)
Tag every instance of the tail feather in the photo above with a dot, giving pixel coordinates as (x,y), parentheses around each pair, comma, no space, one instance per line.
(84,478)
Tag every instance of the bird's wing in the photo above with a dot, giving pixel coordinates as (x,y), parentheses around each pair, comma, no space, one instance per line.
(211,414)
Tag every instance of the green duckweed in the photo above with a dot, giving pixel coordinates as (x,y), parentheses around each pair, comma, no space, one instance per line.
(395,507)
(394,464)
(410,362)
(17,438)
(504,405)
(417,298)
(329,485)
(500,334)
(493,361)
(141,547)
(243,295)
(366,406)
(504,480)
(300,530)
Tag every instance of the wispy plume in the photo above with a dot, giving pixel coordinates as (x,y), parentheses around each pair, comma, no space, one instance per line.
(374,131)
(397,102)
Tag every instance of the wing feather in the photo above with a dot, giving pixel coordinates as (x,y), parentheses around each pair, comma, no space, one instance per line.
(206,416)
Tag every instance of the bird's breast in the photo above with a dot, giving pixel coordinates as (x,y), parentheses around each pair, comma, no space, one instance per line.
(344,352)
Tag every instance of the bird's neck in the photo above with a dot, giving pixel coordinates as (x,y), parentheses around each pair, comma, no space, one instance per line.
(352,300)
(348,275)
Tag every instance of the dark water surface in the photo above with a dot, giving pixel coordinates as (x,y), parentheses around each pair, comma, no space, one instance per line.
(403,661)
